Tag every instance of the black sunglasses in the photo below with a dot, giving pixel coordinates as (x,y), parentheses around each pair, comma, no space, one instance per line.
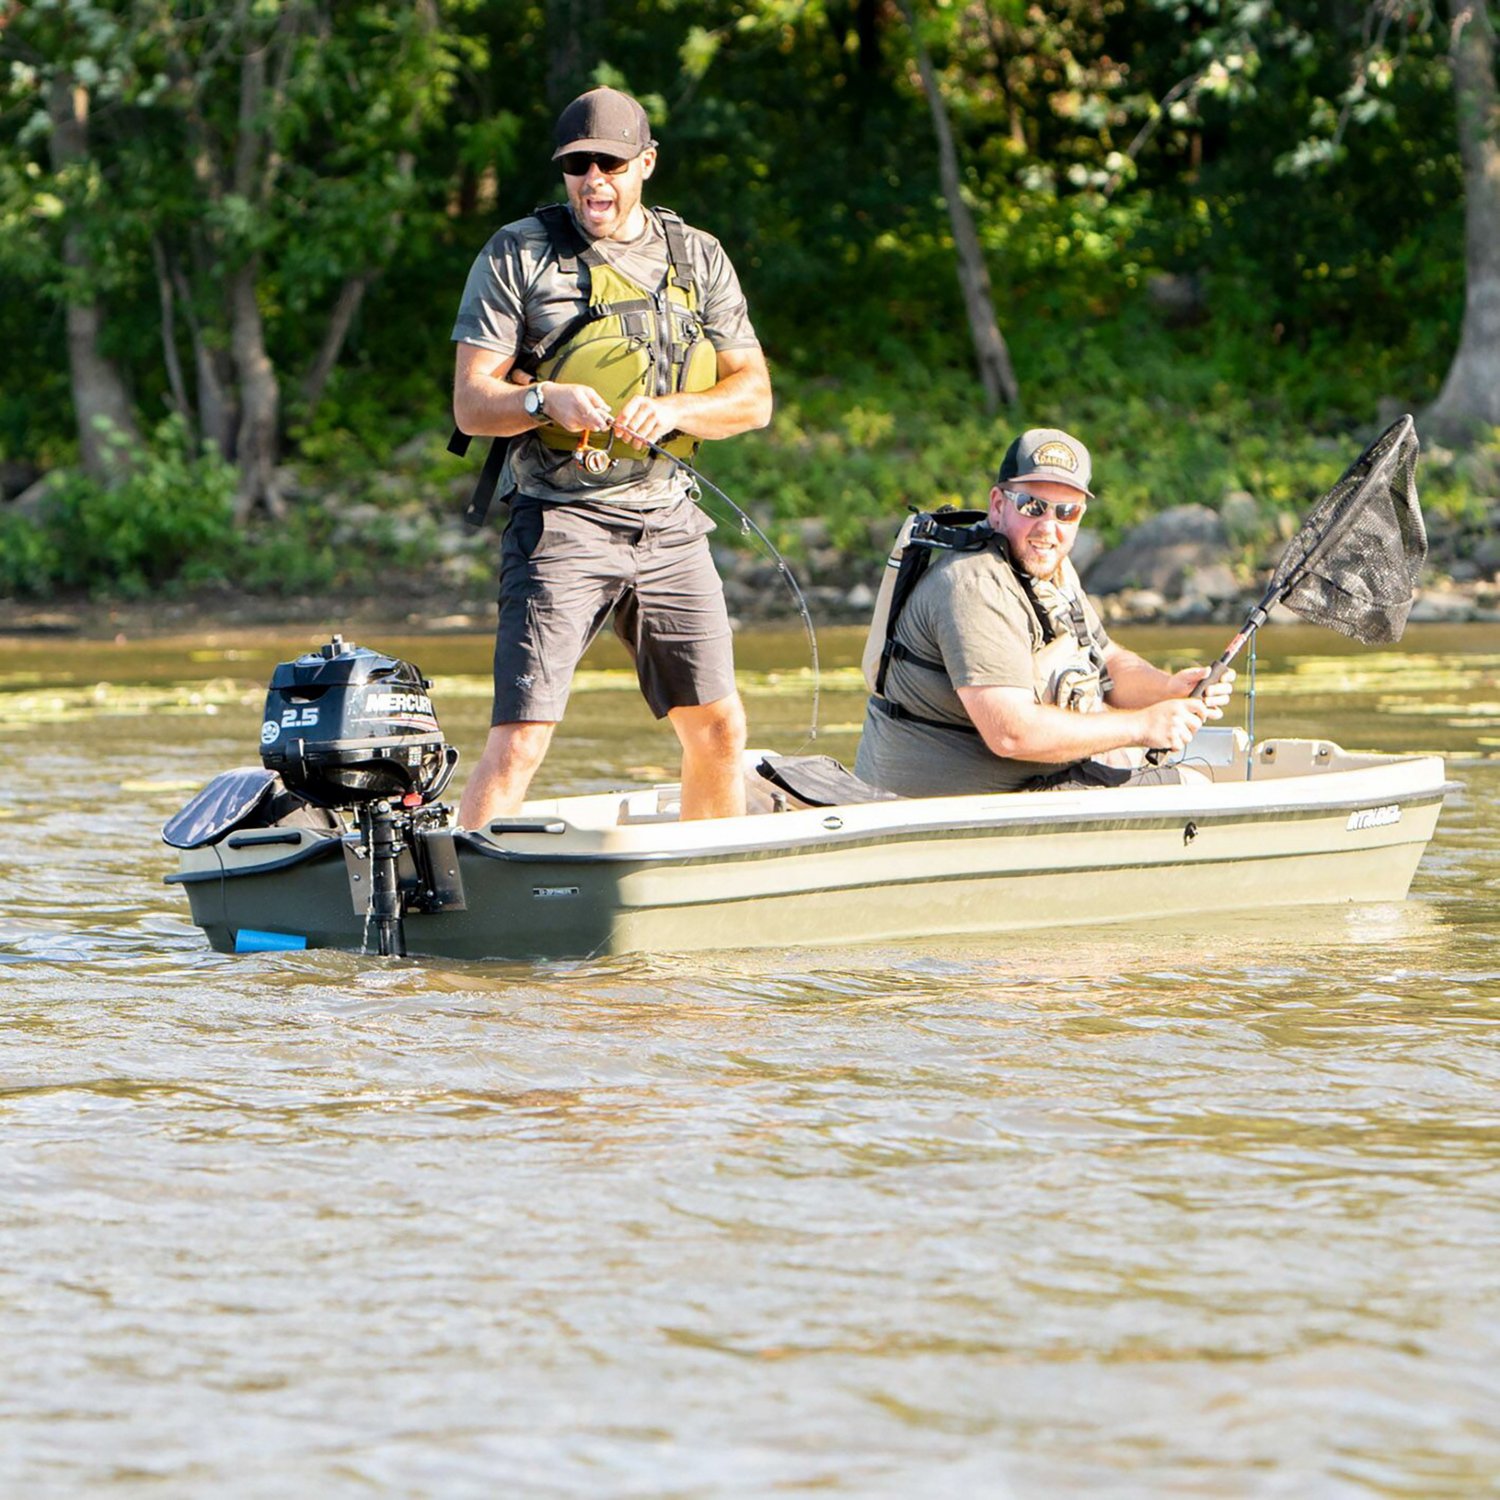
(576,163)
(1035,507)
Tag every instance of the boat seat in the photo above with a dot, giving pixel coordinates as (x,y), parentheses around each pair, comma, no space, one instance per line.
(818,781)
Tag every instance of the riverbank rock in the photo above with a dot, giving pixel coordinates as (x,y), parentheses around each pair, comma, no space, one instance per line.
(1180,553)
(1443,607)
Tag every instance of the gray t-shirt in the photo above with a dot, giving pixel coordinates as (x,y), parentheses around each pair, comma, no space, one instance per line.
(970,612)
(516,295)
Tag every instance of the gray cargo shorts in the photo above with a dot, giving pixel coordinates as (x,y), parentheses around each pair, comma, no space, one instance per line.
(565,565)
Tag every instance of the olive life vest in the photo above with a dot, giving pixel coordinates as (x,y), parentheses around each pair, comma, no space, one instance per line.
(1067,665)
(627,341)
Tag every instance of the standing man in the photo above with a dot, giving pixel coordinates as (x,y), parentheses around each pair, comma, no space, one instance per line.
(584,328)
(999,675)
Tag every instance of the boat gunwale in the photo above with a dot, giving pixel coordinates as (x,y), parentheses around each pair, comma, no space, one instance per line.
(319,845)
(1031,821)
(1073,822)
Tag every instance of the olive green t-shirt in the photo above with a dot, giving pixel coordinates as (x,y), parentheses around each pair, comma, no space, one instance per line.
(970,612)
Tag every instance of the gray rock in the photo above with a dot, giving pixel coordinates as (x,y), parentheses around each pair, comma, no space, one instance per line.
(1087,549)
(1442,607)
(1240,512)
(1136,604)
(812,533)
(1214,583)
(861,597)
(1162,552)
(1193,610)
(419,449)
(1486,558)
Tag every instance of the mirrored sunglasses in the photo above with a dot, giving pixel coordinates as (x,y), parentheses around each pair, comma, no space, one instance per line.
(1035,507)
(576,163)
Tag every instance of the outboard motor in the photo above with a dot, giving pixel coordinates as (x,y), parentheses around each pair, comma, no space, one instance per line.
(345,725)
(351,728)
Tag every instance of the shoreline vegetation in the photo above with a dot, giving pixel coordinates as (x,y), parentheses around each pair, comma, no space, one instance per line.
(1191,516)
(1221,245)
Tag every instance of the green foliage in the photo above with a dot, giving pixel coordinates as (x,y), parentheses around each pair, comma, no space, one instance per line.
(167,518)
(1302,172)
(30,558)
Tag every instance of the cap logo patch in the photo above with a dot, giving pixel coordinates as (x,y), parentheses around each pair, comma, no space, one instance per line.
(1055,455)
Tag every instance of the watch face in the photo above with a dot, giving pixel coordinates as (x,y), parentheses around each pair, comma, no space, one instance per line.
(533,401)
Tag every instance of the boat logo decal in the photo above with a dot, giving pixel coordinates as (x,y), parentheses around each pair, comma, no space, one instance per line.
(392,704)
(270,732)
(551,892)
(1374,817)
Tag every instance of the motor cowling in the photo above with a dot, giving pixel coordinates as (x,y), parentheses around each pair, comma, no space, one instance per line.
(344,725)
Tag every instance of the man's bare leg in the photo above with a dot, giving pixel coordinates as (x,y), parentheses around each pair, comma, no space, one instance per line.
(497,785)
(713,747)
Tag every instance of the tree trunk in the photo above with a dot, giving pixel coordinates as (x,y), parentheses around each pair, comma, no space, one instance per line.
(350,297)
(995,371)
(573,31)
(340,320)
(167,302)
(99,391)
(257,441)
(255,446)
(1470,397)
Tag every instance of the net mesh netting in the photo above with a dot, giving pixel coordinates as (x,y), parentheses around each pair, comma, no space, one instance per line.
(1355,563)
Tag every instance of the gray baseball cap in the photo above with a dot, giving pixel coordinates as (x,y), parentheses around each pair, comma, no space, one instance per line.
(603,120)
(1047,453)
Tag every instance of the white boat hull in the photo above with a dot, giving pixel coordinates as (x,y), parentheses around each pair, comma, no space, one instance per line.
(617,872)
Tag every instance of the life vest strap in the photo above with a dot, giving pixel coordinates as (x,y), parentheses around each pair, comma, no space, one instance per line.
(906,716)
(900,651)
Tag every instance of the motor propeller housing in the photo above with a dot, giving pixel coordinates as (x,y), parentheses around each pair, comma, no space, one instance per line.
(345,726)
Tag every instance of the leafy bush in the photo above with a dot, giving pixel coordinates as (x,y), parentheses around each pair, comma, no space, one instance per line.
(168,517)
(29,559)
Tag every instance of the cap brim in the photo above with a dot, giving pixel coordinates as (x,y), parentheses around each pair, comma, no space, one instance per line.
(1052,476)
(604,148)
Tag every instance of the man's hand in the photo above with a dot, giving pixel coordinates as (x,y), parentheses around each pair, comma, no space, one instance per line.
(647,417)
(1170,724)
(1215,697)
(576,408)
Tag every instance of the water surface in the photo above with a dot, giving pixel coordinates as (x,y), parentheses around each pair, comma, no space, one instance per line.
(1177,1211)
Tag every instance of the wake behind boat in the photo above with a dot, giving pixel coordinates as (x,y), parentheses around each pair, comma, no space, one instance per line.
(344,845)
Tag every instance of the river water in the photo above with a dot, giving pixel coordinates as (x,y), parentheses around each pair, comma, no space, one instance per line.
(1197,1211)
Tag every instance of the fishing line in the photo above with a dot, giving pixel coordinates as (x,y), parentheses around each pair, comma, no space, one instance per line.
(747,525)
(1250,713)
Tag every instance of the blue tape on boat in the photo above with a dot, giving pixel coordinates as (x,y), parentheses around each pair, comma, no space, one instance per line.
(249,940)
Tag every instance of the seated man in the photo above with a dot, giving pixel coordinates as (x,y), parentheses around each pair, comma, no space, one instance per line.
(1000,676)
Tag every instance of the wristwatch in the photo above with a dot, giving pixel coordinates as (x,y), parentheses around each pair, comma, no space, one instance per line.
(535,400)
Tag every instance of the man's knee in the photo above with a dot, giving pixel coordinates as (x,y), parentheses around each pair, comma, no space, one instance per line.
(520,744)
(716,728)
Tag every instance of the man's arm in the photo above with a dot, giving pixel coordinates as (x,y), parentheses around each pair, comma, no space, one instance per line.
(487,404)
(738,401)
(1016,727)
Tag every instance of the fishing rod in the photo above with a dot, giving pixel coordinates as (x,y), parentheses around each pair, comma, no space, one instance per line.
(596,461)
